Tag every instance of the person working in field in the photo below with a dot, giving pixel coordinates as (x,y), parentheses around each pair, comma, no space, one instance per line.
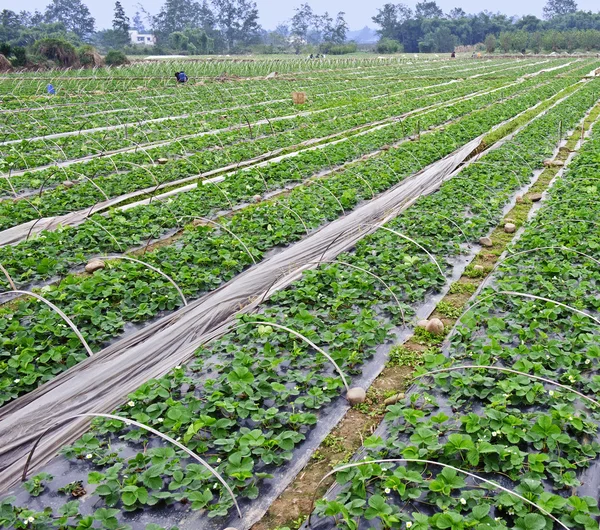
(181,77)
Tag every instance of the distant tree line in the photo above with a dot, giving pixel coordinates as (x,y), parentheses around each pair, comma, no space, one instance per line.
(429,29)
(183,26)
(231,26)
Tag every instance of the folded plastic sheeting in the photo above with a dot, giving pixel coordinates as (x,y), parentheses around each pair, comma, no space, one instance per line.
(100,383)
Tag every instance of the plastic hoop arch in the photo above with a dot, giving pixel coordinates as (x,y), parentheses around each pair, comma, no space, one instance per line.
(142,426)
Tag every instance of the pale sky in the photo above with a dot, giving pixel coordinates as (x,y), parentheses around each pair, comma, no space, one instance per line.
(358,13)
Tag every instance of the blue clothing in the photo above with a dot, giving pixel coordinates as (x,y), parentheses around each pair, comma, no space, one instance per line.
(181,77)
(50,89)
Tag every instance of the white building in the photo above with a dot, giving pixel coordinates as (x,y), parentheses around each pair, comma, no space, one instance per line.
(141,39)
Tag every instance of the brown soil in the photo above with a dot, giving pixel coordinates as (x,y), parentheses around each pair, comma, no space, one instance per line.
(293,505)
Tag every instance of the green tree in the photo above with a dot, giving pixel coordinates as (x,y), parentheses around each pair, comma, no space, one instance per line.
(120,19)
(490,43)
(115,58)
(519,42)
(73,14)
(554,8)
(590,39)
(389,18)
(178,41)
(535,41)
(529,23)
(505,40)
(108,39)
(336,32)
(429,9)
(198,41)
(41,31)
(444,41)
(322,28)
(177,15)
(301,23)
(138,23)
(456,13)
(120,26)
(237,21)
(388,46)
(10,25)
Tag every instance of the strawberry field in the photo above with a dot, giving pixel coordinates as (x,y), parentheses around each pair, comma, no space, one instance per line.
(201,286)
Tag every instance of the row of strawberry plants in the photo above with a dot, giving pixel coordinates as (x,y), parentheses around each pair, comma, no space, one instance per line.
(97,142)
(31,153)
(227,93)
(185,139)
(192,150)
(233,147)
(106,303)
(44,151)
(177,145)
(16,88)
(245,407)
(82,84)
(186,144)
(203,98)
(531,436)
(56,252)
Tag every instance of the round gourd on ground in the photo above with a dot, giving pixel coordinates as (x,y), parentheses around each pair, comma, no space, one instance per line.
(356,395)
(94,265)
(435,326)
